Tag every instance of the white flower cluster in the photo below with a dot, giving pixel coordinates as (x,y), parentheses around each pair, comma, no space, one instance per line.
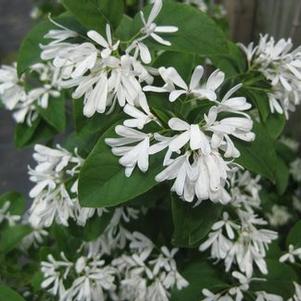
(6,216)
(99,70)
(217,11)
(34,239)
(239,240)
(238,291)
(141,273)
(282,67)
(194,151)
(15,97)
(52,200)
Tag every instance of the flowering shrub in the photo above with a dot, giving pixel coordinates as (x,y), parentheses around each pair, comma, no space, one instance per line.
(170,178)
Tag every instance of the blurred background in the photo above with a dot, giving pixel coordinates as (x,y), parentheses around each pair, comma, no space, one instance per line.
(243,19)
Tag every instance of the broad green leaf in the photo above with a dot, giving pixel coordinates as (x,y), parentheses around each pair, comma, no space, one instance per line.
(95,14)
(285,152)
(55,113)
(200,275)
(37,280)
(231,63)
(124,29)
(192,224)
(7,294)
(27,135)
(279,279)
(11,236)
(93,228)
(294,236)
(88,130)
(24,133)
(260,101)
(275,124)
(30,51)
(17,202)
(184,66)
(197,32)
(102,182)
(64,241)
(282,176)
(259,156)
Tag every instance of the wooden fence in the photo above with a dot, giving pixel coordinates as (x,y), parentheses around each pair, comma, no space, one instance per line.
(280,18)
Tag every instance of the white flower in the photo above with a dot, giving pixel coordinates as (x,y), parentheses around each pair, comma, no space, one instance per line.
(173,79)
(139,118)
(291,255)
(52,201)
(96,279)
(211,180)
(245,191)
(5,215)
(151,29)
(241,242)
(290,143)
(54,272)
(131,155)
(35,238)
(184,174)
(107,44)
(210,296)
(279,216)
(233,104)
(282,67)
(297,295)
(191,133)
(295,170)
(59,35)
(11,87)
(146,275)
(264,296)
(239,127)
(227,224)
(140,49)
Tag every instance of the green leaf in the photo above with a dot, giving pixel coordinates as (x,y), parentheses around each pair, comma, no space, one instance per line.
(282,176)
(17,202)
(232,63)
(259,156)
(260,101)
(27,135)
(200,275)
(93,228)
(63,241)
(124,29)
(279,279)
(275,124)
(197,32)
(7,294)
(30,51)
(184,66)
(95,14)
(192,224)
(102,182)
(12,236)
(55,113)
(24,133)
(88,130)
(294,237)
